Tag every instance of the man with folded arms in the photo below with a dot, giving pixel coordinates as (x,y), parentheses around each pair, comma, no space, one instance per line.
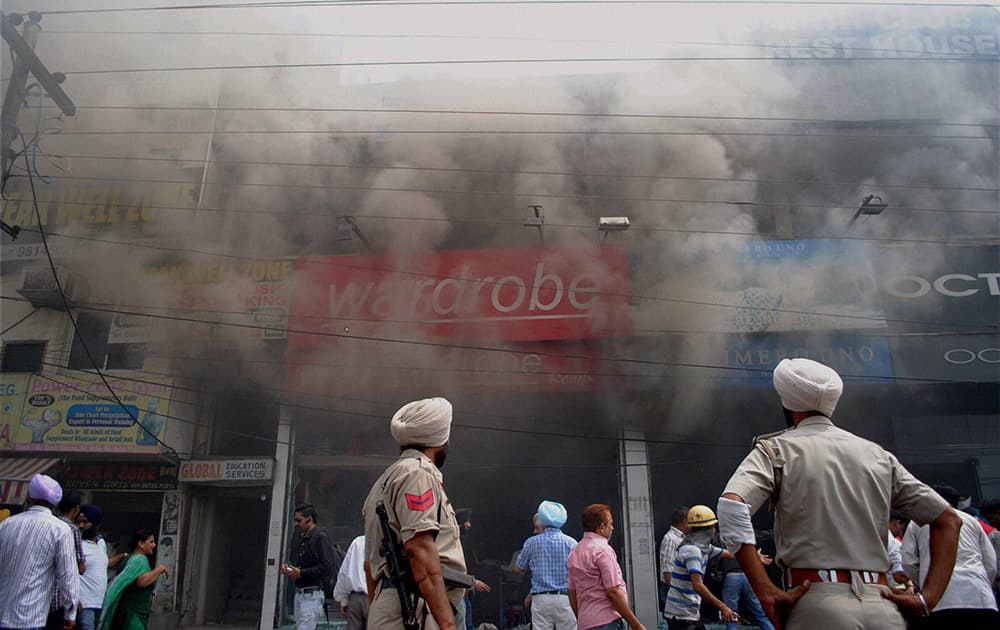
(546,555)
(831,492)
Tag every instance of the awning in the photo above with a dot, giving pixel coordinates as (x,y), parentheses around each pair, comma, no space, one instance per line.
(16,473)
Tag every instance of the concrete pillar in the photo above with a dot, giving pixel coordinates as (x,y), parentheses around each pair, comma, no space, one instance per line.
(280,496)
(640,559)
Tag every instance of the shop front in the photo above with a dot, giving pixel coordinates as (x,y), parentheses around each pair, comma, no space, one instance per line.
(228,507)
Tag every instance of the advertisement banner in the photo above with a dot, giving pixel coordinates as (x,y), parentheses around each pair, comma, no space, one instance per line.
(120,476)
(74,415)
(967,358)
(532,294)
(935,288)
(13,391)
(762,286)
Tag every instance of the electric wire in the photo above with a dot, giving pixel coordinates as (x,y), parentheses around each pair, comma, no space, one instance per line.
(383,417)
(494,349)
(19,321)
(487,171)
(891,121)
(524,61)
(273,4)
(520,132)
(443,36)
(331,261)
(485,193)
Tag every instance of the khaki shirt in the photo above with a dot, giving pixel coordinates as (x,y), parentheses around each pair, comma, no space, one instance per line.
(836,492)
(415,502)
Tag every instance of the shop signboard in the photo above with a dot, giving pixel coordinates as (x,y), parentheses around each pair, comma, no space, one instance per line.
(572,366)
(761,287)
(131,476)
(749,360)
(64,414)
(236,300)
(855,357)
(13,391)
(226,470)
(965,358)
(532,294)
(941,287)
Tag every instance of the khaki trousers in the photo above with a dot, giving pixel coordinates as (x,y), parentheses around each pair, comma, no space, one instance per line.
(385,615)
(835,607)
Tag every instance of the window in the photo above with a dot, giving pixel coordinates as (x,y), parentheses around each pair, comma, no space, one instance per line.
(94,328)
(23,356)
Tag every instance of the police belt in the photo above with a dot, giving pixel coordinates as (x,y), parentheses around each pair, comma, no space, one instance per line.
(794,577)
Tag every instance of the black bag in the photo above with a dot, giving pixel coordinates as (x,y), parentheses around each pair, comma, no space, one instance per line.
(335,557)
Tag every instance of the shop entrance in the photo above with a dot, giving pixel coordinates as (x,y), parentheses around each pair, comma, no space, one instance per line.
(230,555)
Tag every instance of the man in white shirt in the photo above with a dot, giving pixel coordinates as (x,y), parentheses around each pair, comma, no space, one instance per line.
(351,589)
(668,547)
(94,582)
(37,559)
(968,601)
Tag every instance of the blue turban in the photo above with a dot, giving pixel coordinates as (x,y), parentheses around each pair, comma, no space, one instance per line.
(552,514)
(92,512)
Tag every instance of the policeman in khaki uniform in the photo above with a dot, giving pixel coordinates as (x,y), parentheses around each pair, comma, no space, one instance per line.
(422,517)
(831,492)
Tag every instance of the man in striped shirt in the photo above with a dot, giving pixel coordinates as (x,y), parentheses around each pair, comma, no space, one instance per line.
(687,587)
(37,556)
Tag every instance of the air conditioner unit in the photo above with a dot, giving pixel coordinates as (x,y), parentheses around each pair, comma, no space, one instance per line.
(39,286)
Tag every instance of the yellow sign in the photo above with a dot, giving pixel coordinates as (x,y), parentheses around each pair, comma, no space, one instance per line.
(116,205)
(67,414)
(13,391)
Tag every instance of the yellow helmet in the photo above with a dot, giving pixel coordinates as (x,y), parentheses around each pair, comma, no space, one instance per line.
(701,516)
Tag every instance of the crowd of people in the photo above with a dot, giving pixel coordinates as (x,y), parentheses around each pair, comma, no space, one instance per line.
(56,567)
(859,543)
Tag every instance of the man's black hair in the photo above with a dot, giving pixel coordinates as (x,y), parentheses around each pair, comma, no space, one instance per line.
(896,516)
(678,516)
(990,506)
(307,511)
(947,493)
(70,499)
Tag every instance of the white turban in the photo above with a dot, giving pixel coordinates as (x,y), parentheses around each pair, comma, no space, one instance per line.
(45,488)
(805,385)
(424,422)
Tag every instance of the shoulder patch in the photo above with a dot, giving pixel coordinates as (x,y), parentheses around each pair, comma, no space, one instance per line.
(420,502)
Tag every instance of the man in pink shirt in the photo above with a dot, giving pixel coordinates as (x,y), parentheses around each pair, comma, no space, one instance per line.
(596,586)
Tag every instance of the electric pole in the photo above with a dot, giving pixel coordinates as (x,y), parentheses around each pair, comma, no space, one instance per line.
(22,45)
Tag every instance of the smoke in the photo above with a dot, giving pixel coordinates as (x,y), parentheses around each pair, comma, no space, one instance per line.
(706,158)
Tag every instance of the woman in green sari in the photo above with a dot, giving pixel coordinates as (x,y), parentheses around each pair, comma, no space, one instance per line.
(130,596)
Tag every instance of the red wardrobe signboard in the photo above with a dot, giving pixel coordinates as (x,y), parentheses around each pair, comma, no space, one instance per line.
(491,294)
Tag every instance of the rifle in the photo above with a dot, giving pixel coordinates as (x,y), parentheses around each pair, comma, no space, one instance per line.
(400,573)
